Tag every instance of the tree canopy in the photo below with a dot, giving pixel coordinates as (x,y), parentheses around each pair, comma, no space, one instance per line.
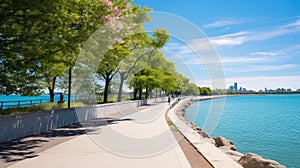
(41,40)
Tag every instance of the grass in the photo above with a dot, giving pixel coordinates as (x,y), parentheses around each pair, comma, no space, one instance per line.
(170,122)
(36,108)
(52,106)
(174,128)
(113,99)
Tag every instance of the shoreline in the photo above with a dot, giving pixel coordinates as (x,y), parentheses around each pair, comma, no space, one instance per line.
(223,144)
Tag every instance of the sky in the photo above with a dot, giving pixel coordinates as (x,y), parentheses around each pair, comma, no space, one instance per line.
(257,41)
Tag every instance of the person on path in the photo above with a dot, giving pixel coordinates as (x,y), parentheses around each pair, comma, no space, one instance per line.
(61,98)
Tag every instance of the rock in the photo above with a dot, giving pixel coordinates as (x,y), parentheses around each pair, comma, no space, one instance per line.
(234,155)
(221,141)
(227,147)
(202,133)
(251,160)
(199,130)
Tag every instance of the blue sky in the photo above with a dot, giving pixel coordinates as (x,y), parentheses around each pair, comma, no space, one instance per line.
(258,41)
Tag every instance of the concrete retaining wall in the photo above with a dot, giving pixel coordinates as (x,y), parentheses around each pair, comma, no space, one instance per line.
(26,124)
(216,157)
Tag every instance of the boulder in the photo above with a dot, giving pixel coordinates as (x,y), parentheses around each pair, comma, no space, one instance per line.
(199,130)
(221,141)
(251,160)
(202,133)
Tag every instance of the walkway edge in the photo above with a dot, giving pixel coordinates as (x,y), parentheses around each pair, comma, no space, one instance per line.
(215,156)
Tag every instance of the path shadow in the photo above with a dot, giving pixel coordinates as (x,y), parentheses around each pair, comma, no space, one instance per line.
(29,147)
(19,149)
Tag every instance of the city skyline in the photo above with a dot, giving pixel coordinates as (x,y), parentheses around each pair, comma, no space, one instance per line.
(239,88)
(257,41)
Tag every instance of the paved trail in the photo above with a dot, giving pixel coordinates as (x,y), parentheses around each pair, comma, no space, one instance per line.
(142,139)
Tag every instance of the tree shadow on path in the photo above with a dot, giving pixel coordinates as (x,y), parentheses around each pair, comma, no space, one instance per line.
(29,147)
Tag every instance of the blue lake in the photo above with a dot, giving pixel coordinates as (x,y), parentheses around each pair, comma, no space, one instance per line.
(12,100)
(266,125)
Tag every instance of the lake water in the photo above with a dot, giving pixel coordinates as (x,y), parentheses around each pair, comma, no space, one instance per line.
(12,100)
(266,125)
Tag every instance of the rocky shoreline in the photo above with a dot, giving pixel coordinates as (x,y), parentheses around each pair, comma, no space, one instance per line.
(249,160)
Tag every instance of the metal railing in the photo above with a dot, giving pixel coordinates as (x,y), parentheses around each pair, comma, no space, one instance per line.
(22,103)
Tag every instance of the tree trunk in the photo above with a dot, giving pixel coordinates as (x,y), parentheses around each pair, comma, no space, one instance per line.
(105,96)
(140,93)
(51,93)
(51,89)
(135,91)
(122,78)
(147,92)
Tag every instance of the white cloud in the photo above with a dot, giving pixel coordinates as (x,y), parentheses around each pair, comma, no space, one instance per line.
(242,60)
(227,60)
(229,39)
(226,28)
(268,53)
(285,51)
(196,45)
(238,38)
(224,22)
(258,68)
(293,24)
(255,35)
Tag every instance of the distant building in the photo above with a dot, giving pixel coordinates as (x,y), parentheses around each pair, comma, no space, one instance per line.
(289,90)
(241,89)
(271,90)
(235,86)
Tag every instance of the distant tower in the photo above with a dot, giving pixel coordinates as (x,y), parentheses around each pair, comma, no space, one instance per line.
(235,86)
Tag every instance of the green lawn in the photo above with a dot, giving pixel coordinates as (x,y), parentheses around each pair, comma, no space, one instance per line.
(36,108)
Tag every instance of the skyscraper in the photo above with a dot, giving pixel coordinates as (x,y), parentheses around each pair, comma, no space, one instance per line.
(235,86)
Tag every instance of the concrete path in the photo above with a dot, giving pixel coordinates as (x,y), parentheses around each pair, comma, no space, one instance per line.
(141,139)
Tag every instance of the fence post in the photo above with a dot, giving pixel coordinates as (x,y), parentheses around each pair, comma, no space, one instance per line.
(1,105)
(41,101)
(18,104)
(30,102)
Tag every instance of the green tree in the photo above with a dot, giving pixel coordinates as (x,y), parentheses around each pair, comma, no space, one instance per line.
(142,45)
(190,89)
(151,78)
(205,91)
(36,36)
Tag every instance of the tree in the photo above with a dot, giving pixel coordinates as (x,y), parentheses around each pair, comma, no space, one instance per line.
(191,89)
(151,78)
(205,91)
(35,36)
(141,46)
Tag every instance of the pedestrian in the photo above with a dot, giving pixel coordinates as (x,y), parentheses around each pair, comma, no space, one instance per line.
(61,98)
